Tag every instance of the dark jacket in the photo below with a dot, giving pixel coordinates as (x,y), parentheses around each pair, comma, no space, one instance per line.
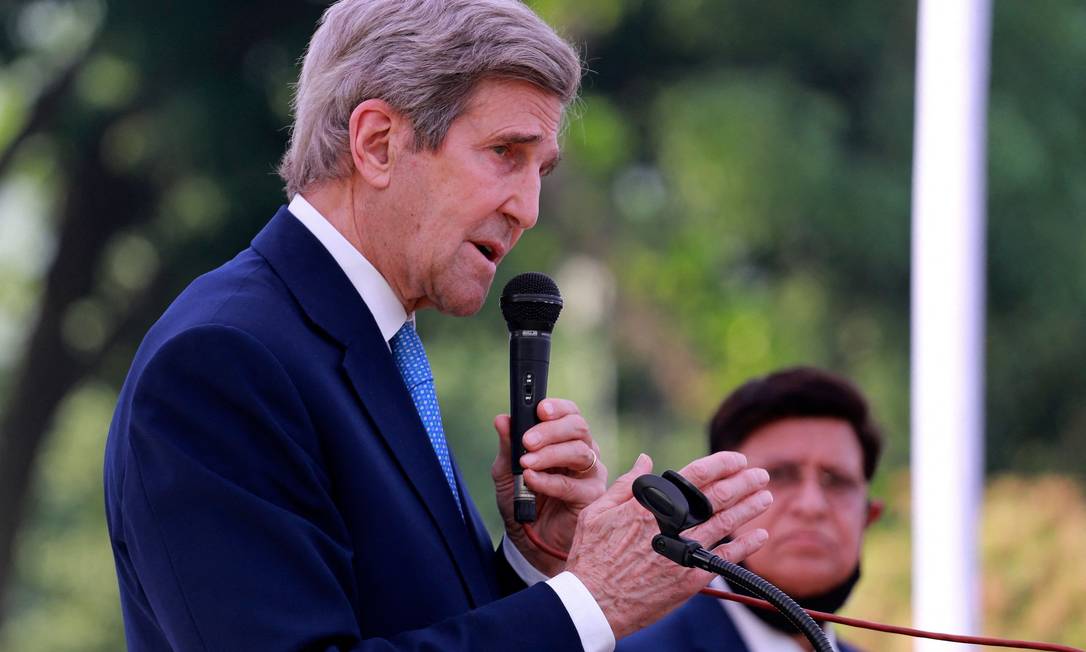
(269,485)
(700,625)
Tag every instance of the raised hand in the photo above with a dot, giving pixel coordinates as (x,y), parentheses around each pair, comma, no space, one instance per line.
(612,551)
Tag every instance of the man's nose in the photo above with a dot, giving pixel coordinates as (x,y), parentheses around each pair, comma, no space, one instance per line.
(810,498)
(522,206)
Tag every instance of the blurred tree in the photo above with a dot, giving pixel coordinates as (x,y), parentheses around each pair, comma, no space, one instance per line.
(1037,213)
(746,173)
(158,125)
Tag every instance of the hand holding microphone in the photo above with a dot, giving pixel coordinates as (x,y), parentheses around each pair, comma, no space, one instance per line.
(530,304)
(548,466)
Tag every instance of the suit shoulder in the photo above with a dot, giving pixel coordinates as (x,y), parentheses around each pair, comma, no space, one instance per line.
(244,294)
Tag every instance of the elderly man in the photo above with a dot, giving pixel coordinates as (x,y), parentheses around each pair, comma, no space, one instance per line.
(277,475)
(814,434)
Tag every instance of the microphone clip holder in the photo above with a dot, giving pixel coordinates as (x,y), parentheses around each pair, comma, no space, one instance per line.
(677,505)
(678,549)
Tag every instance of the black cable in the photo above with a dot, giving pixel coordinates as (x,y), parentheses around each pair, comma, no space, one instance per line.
(760,586)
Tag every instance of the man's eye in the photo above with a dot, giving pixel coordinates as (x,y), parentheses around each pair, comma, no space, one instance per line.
(839,482)
(783,475)
(501,150)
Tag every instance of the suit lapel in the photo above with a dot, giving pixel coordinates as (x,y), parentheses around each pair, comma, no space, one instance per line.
(376,381)
(478,529)
(331,302)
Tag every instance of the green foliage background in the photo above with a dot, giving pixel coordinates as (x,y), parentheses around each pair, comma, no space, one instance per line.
(735,198)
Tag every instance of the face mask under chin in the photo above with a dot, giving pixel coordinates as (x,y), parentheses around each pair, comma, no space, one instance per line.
(828,601)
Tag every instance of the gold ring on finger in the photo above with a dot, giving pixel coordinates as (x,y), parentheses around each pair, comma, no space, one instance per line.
(591,466)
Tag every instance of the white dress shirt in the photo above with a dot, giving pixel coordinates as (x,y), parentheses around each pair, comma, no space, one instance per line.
(759,636)
(389,313)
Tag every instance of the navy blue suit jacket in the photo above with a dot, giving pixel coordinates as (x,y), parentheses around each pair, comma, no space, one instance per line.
(700,625)
(269,485)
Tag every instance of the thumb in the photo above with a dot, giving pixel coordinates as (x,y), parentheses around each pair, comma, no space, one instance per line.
(622,489)
(502,461)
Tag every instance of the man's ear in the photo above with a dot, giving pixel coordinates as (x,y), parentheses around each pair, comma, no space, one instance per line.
(374,136)
(874,512)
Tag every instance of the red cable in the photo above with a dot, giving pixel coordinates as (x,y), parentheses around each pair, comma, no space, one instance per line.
(842,620)
(894,629)
(541,544)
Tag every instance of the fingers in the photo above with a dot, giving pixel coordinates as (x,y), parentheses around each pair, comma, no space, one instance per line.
(502,464)
(622,490)
(725,493)
(502,425)
(724,478)
(555,408)
(736,493)
(743,546)
(569,490)
(576,456)
(561,440)
(727,521)
(704,470)
(560,421)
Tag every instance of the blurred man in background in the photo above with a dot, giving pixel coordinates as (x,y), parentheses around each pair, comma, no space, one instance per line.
(813,432)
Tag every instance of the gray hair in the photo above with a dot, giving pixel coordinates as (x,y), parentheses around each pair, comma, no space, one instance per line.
(423,57)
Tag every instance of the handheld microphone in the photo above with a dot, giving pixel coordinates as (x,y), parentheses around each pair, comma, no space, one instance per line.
(530,303)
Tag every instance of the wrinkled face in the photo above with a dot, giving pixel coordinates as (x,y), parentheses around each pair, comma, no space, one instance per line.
(820,507)
(460,209)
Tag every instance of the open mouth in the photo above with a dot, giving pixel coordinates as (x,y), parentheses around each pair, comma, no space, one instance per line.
(486,251)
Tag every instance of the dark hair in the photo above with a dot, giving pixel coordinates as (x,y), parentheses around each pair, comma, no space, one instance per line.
(795,392)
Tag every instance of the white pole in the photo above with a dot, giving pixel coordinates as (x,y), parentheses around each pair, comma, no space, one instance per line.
(948,283)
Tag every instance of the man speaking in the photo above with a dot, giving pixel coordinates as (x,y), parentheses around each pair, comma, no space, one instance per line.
(277,475)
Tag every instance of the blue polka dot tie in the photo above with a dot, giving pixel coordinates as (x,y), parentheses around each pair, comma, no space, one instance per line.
(415,368)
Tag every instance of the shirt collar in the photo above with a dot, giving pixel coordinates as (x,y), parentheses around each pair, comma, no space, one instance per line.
(759,636)
(375,291)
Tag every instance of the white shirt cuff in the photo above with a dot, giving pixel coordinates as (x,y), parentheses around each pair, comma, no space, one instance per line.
(588,619)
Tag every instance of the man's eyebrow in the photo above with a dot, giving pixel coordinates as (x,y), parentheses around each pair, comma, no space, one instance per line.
(780,464)
(518,137)
(821,466)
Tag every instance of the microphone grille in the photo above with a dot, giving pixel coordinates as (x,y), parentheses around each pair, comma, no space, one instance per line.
(531,301)
(531,283)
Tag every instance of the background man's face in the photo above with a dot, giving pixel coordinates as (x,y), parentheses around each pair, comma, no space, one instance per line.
(460,209)
(820,506)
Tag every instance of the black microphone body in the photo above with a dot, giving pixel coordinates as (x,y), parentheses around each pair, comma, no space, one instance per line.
(530,304)
(529,361)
